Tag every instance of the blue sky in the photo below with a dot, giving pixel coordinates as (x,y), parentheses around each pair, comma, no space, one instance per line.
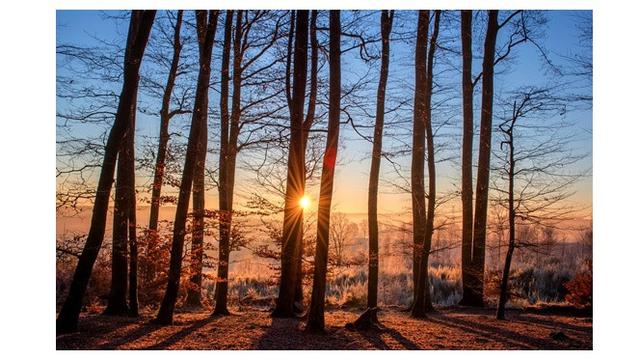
(525,69)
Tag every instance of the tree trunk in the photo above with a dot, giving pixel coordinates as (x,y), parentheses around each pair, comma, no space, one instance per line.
(418,147)
(206,34)
(117,303)
(224,148)
(194,292)
(422,296)
(293,220)
(158,176)
(131,212)
(386,20)
(313,80)
(316,308)
(228,167)
(139,30)
(306,126)
(133,261)
(467,154)
(484,158)
(504,284)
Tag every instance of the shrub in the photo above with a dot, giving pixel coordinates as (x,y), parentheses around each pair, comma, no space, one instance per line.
(580,290)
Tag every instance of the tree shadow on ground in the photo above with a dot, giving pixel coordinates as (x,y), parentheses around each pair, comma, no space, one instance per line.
(374,336)
(502,334)
(104,332)
(180,335)
(138,332)
(512,339)
(528,319)
(290,334)
(448,329)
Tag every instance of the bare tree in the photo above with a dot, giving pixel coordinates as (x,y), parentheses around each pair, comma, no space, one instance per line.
(316,308)
(467,151)
(193,299)
(206,27)
(341,232)
(255,33)
(88,88)
(293,219)
(225,221)
(476,270)
(422,293)
(418,144)
(125,189)
(129,148)
(386,22)
(194,290)
(306,126)
(532,163)
(522,30)
(139,30)
(165,117)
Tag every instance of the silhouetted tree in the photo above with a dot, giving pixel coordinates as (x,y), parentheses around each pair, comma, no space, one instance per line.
(139,30)
(232,124)
(117,303)
(293,219)
(228,150)
(484,156)
(533,163)
(422,293)
(522,30)
(386,22)
(165,116)
(225,223)
(306,126)
(316,308)
(466,27)
(129,149)
(418,146)
(206,27)
(194,292)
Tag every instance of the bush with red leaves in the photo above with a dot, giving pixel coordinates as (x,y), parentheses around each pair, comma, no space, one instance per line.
(580,290)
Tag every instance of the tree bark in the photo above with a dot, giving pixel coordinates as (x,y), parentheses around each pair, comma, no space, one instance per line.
(467,154)
(206,33)
(117,303)
(418,146)
(139,30)
(316,308)
(194,290)
(306,126)
(484,158)
(386,21)
(158,176)
(313,80)
(293,220)
(224,230)
(228,165)
(129,149)
(422,295)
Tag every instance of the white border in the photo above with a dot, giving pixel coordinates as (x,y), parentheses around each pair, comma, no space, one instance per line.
(27,149)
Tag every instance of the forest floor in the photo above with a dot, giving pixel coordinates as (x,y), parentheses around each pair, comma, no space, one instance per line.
(452,328)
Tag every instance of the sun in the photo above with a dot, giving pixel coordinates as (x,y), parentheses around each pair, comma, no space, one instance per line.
(304,202)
